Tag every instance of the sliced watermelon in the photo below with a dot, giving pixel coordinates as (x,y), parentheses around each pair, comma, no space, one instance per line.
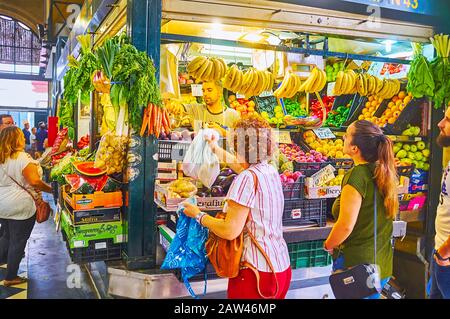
(88,169)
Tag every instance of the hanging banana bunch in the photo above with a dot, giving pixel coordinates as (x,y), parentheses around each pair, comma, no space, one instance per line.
(315,82)
(345,83)
(289,86)
(207,69)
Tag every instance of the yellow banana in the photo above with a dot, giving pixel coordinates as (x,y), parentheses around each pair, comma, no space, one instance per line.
(308,85)
(195,64)
(223,67)
(284,85)
(290,92)
(237,81)
(230,77)
(338,85)
(202,71)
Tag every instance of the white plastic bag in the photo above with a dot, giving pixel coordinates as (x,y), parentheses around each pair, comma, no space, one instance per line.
(200,162)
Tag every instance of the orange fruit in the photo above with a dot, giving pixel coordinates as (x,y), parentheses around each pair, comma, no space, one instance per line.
(392,120)
(374,103)
(395,99)
(361,117)
(391,104)
(407,99)
(394,108)
(380,100)
(401,95)
(399,102)
(396,114)
(401,107)
(387,113)
(410,94)
(368,104)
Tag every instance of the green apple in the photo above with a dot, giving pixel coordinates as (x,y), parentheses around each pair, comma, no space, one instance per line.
(416,163)
(411,156)
(415,130)
(421,145)
(398,144)
(426,152)
(407,160)
(402,154)
(407,147)
(426,166)
(419,165)
(419,156)
(396,149)
(413,148)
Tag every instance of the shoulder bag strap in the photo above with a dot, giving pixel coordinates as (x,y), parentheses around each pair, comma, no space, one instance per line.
(375,219)
(18,184)
(247,264)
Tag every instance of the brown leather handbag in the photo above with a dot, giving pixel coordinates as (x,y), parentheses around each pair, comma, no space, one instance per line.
(225,255)
(43,209)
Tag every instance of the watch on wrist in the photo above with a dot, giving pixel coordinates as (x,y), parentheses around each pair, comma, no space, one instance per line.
(199,216)
(436,253)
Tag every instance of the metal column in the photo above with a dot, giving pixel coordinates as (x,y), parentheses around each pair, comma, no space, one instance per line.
(144,29)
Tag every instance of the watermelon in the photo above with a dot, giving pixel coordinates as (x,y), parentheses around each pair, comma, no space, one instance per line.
(88,169)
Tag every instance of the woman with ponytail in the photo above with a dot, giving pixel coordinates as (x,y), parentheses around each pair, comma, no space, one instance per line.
(351,241)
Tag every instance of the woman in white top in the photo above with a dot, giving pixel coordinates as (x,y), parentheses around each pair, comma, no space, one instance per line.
(17,212)
(261,211)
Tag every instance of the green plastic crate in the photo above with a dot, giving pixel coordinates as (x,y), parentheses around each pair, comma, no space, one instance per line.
(80,236)
(308,254)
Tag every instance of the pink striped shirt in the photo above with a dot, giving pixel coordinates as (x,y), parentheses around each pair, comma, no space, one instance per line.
(266,213)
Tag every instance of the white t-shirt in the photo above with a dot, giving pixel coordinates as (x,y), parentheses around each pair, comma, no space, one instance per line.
(443,211)
(266,215)
(16,203)
(199,113)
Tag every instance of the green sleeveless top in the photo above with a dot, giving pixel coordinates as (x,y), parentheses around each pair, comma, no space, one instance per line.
(358,248)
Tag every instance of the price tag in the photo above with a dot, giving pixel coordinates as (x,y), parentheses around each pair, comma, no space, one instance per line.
(284,137)
(266,94)
(197,89)
(240,96)
(330,88)
(323,176)
(358,63)
(324,133)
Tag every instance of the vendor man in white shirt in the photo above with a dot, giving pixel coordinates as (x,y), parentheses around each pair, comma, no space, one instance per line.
(440,265)
(214,112)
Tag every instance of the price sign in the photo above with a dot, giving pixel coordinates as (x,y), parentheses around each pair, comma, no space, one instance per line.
(197,89)
(240,96)
(330,88)
(266,94)
(284,137)
(324,133)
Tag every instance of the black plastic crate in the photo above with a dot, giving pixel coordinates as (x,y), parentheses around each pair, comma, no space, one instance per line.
(341,163)
(294,190)
(305,212)
(411,114)
(172,150)
(357,111)
(406,171)
(98,250)
(309,169)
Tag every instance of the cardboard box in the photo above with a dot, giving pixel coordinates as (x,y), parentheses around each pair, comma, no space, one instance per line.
(168,201)
(167,176)
(167,166)
(322,192)
(92,201)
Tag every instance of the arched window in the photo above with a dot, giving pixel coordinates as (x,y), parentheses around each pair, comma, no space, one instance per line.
(19,47)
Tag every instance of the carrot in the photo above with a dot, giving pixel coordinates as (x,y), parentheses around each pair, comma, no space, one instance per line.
(144,122)
(158,122)
(165,121)
(152,119)
(149,118)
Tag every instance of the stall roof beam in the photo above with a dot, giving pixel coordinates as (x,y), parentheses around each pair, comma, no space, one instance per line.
(292,17)
(171,38)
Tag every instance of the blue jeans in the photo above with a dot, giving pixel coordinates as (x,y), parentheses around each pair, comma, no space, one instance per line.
(440,281)
(339,263)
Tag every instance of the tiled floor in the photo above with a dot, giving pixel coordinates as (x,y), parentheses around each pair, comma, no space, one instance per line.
(49,268)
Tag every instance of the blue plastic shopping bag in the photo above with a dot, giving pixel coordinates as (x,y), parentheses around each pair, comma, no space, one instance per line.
(187,250)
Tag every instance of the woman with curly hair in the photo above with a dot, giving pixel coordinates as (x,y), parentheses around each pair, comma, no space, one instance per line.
(18,210)
(255,199)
